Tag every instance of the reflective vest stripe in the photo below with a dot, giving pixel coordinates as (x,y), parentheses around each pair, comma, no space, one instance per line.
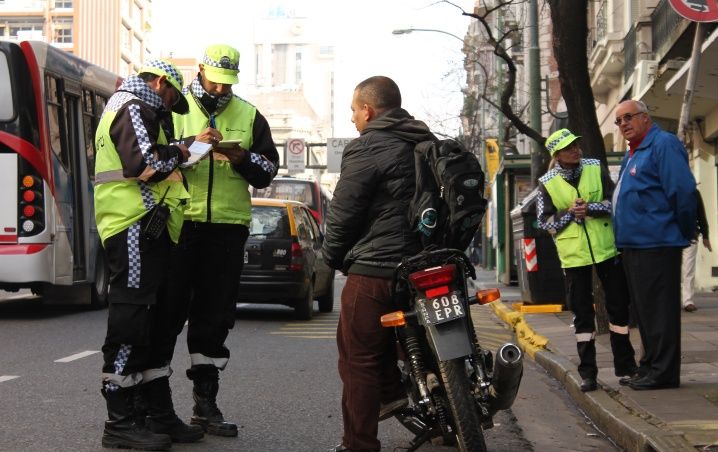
(111,176)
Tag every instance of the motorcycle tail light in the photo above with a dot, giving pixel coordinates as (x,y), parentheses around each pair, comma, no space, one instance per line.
(396,318)
(433,277)
(486,296)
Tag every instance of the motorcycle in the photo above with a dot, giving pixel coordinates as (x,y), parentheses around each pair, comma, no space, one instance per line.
(454,386)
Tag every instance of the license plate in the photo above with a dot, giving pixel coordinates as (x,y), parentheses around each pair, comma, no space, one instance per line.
(442,309)
(246,257)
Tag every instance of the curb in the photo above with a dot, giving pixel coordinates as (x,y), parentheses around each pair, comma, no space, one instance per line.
(630,428)
(530,341)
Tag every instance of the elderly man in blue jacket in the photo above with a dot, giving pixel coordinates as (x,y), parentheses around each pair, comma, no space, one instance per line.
(654,219)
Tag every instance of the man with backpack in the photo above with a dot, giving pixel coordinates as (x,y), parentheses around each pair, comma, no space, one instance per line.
(367,234)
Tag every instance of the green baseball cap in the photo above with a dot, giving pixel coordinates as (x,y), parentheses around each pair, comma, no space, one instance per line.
(560,139)
(173,76)
(221,64)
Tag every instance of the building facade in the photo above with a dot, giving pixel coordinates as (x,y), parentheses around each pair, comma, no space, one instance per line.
(641,50)
(109,33)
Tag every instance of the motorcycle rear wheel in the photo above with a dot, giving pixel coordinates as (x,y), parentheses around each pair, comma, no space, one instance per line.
(466,420)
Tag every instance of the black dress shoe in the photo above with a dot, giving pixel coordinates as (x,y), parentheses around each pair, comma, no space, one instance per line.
(625,381)
(588,384)
(645,384)
(340,448)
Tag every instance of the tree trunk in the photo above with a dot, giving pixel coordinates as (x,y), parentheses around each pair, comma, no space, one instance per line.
(570,34)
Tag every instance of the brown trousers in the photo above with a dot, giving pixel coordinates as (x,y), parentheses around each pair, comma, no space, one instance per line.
(367,359)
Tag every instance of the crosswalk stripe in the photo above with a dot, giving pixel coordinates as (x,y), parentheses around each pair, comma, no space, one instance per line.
(8,377)
(302,334)
(77,356)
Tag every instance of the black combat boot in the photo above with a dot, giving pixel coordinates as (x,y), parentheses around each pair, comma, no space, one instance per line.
(206,413)
(161,416)
(122,431)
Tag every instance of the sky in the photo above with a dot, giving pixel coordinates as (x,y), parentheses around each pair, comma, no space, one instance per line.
(427,66)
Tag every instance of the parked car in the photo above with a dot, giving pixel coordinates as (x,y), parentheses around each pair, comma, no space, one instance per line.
(283,263)
(310,192)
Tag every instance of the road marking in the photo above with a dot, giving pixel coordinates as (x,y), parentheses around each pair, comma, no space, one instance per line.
(318,327)
(304,336)
(80,355)
(4,378)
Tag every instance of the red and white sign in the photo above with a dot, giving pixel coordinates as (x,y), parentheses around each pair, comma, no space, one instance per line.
(529,246)
(697,10)
(296,155)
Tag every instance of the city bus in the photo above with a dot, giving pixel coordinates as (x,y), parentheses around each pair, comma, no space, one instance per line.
(50,105)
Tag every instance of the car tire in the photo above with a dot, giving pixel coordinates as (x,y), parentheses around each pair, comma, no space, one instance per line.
(326,301)
(304,307)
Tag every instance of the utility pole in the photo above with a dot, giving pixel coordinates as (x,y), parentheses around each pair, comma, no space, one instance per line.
(690,84)
(538,156)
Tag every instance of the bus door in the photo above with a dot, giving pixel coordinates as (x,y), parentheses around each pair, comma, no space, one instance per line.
(64,120)
(78,176)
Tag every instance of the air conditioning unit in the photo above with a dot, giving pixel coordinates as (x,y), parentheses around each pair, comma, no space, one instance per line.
(644,75)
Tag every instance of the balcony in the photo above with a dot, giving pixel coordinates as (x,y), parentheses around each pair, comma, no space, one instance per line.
(605,56)
(667,26)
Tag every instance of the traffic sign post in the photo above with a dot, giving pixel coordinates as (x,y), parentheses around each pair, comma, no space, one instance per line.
(335,150)
(296,155)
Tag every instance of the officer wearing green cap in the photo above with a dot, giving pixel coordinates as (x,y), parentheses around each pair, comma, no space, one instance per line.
(139,203)
(216,220)
(574,205)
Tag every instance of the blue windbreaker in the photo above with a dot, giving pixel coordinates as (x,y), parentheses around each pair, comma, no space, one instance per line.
(655,201)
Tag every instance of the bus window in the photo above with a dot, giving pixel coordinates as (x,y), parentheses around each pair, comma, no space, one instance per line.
(89,124)
(55,118)
(7,111)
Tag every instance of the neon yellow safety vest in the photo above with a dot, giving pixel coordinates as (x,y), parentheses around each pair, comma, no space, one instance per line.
(218,194)
(118,200)
(591,242)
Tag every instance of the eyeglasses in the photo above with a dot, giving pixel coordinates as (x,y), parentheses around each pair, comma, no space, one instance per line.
(626,118)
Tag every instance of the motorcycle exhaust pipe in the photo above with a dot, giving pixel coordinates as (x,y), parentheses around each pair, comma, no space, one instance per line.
(508,369)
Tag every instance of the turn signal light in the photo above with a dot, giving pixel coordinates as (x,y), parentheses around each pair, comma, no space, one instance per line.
(392,319)
(432,277)
(28,181)
(486,296)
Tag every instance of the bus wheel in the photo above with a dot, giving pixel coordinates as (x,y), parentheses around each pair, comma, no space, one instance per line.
(100,288)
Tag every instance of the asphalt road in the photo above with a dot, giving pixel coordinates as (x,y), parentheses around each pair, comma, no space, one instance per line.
(281,386)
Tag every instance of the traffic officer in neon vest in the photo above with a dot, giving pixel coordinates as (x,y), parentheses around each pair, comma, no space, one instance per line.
(139,208)
(574,205)
(217,219)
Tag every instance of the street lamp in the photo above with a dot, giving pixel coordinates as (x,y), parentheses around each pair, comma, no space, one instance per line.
(406,31)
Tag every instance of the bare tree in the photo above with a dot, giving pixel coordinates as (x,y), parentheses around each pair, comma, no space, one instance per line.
(572,60)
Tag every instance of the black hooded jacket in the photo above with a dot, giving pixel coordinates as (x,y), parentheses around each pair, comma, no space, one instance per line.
(367,231)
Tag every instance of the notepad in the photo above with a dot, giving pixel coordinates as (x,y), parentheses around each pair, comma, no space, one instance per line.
(228,143)
(197,151)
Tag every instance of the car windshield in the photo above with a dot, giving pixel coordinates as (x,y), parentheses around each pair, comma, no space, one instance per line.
(294,190)
(270,222)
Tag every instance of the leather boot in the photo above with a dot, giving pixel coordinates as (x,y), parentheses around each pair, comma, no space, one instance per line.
(206,413)
(121,430)
(161,416)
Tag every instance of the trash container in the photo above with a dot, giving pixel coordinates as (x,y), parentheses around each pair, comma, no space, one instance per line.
(539,268)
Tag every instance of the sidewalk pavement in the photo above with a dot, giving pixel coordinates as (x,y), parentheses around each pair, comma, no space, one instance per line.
(681,419)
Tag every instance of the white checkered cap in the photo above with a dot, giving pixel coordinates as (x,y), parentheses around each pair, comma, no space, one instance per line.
(163,67)
(223,63)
